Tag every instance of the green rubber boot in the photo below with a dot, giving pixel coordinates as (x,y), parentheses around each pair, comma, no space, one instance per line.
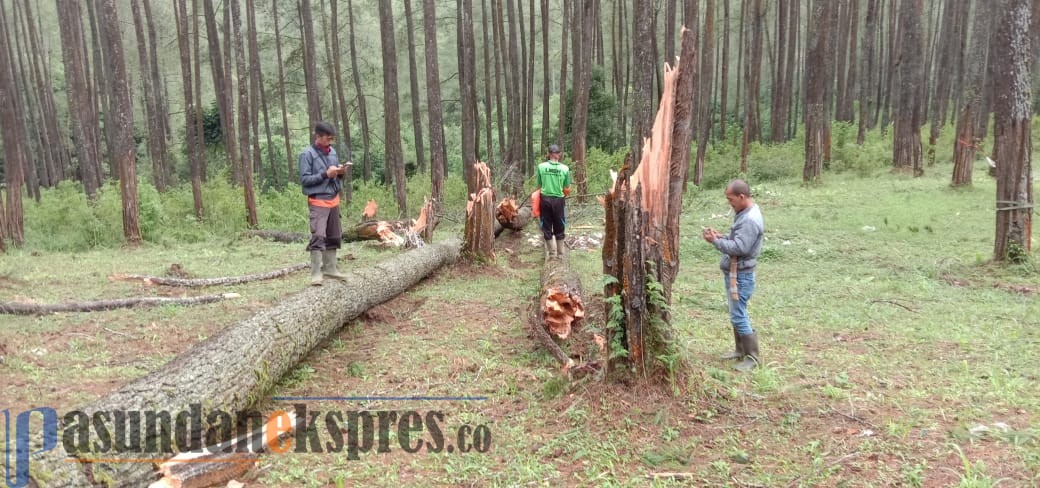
(316,268)
(329,266)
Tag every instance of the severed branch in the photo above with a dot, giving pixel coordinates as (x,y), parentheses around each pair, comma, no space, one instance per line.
(202,282)
(15,308)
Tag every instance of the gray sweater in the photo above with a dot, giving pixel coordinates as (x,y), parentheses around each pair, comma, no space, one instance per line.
(744,240)
(313,176)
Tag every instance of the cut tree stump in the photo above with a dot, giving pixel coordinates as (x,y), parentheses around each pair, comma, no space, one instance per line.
(509,216)
(559,310)
(202,282)
(15,308)
(236,367)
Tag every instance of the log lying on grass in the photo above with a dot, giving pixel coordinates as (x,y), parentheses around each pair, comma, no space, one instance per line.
(202,282)
(508,215)
(16,308)
(560,308)
(233,369)
(390,232)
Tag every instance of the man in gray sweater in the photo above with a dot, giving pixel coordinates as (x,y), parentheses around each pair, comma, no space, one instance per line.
(740,250)
(321,177)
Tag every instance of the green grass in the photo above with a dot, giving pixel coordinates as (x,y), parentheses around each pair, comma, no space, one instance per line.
(887,337)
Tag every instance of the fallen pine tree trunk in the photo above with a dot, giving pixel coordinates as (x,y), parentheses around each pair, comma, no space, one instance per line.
(201,282)
(560,308)
(15,308)
(233,369)
(509,216)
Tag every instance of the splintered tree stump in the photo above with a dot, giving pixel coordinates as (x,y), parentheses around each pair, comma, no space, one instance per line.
(233,369)
(508,215)
(479,237)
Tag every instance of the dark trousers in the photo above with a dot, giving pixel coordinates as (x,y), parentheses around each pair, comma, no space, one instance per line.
(554,217)
(326,231)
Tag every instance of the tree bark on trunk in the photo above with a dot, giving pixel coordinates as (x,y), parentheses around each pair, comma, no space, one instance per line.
(362,105)
(968,138)
(508,216)
(1012,130)
(579,126)
(906,155)
(122,147)
(817,69)
(310,64)
(220,83)
(155,136)
(867,100)
(81,111)
(245,110)
(252,355)
(289,159)
(195,166)
(13,135)
(704,85)
(413,80)
(438,155)
(392,112)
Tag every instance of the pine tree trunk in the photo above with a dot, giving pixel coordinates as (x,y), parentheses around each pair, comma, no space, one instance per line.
(234,368)
(245,109)
(344,112)
(12,134)
(867,100)
(413,80)
(160,99)
(290,160)
(81,111)
(189,107)
(704,85)
(362,105)
(1012,130)
(123,148)
(392,112)
(468,90)
(908,112)
(817,71)
(155,135)
(310,64)
(220,84)
(583,58)
(643,68)
(968,138)
(438,156)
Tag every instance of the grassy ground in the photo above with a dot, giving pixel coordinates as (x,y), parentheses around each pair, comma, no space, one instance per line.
(888,340)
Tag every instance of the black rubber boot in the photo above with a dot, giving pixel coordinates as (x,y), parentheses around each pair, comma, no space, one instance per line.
(751,358)
(738,348)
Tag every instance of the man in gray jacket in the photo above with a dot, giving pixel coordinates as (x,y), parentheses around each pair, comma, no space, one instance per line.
(740,250)
(321,177)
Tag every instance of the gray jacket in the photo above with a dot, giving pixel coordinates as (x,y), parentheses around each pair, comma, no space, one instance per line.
(744,240)
(313,178)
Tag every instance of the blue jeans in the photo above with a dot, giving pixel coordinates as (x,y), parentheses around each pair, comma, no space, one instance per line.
(738,315)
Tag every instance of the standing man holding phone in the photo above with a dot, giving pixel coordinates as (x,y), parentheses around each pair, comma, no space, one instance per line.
(321,176)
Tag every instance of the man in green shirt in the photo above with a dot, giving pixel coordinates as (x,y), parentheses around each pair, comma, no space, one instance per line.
(554,180)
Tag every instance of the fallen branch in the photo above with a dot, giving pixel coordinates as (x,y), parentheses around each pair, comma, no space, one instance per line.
(15,308)
(278,236)
(202,282)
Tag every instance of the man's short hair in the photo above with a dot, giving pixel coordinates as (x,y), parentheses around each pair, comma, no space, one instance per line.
(324,129)
(739,187)
(554,149)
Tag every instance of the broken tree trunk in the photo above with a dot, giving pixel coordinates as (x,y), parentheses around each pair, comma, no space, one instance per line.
(509,216)
(560,308)
(479,237)
(233,369)
(642,229)
(202,282)
(15,308)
